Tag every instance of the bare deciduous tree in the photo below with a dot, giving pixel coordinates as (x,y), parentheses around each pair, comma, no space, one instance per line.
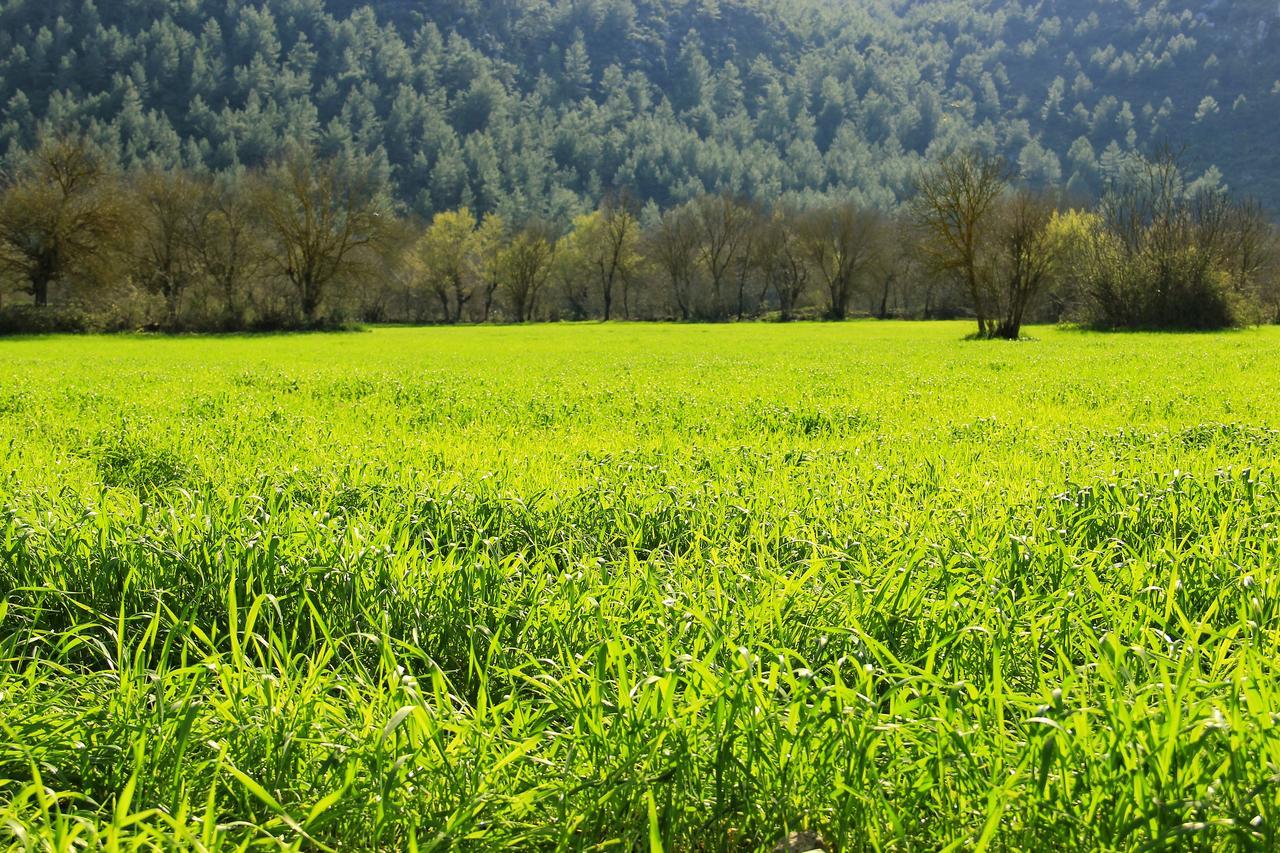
(954,203)
(326,215)
(748,260)
(841,242)
(165,206)
(896,266)
(59,218)
(1023,258)
(526,265)
(672,245)
(226,243)
(723,224)
(1249,246)
(781,259)
(617,256)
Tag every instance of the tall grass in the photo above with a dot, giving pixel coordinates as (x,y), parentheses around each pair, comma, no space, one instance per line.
(635,587)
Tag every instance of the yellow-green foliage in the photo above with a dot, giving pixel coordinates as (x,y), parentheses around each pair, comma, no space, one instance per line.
(617,586)
(1074,227)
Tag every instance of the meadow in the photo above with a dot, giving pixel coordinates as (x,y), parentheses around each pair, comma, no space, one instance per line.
(640,587)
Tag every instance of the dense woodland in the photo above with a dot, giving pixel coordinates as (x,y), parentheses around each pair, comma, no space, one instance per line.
(540,107)
(525,123)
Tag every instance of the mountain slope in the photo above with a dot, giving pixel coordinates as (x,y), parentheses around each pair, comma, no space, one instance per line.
(537,107)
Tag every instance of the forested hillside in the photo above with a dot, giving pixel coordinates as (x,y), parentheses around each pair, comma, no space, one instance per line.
(538,107)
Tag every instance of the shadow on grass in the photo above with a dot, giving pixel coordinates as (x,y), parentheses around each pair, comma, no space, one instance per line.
(1088,328)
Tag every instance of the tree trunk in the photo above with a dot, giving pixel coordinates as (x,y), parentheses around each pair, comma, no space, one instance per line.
(680,302)
(231,309)
(40,290)
(310,299)
(488,299)
(839,303)
(459,302)
(172,297)
(1008,330)
(883,314)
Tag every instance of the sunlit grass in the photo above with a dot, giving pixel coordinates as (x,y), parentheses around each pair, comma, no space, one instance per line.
(579,587)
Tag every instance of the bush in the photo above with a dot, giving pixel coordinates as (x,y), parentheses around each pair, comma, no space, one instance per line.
(1145,290)
(33,320)
(1162,254)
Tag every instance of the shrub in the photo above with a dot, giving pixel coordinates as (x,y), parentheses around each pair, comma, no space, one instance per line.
(33,320)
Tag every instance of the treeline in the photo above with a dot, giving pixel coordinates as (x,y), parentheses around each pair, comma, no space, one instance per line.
(1157,252)
(312,241)
(284,247)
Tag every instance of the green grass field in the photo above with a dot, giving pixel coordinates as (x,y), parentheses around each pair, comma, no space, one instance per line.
(638,587)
